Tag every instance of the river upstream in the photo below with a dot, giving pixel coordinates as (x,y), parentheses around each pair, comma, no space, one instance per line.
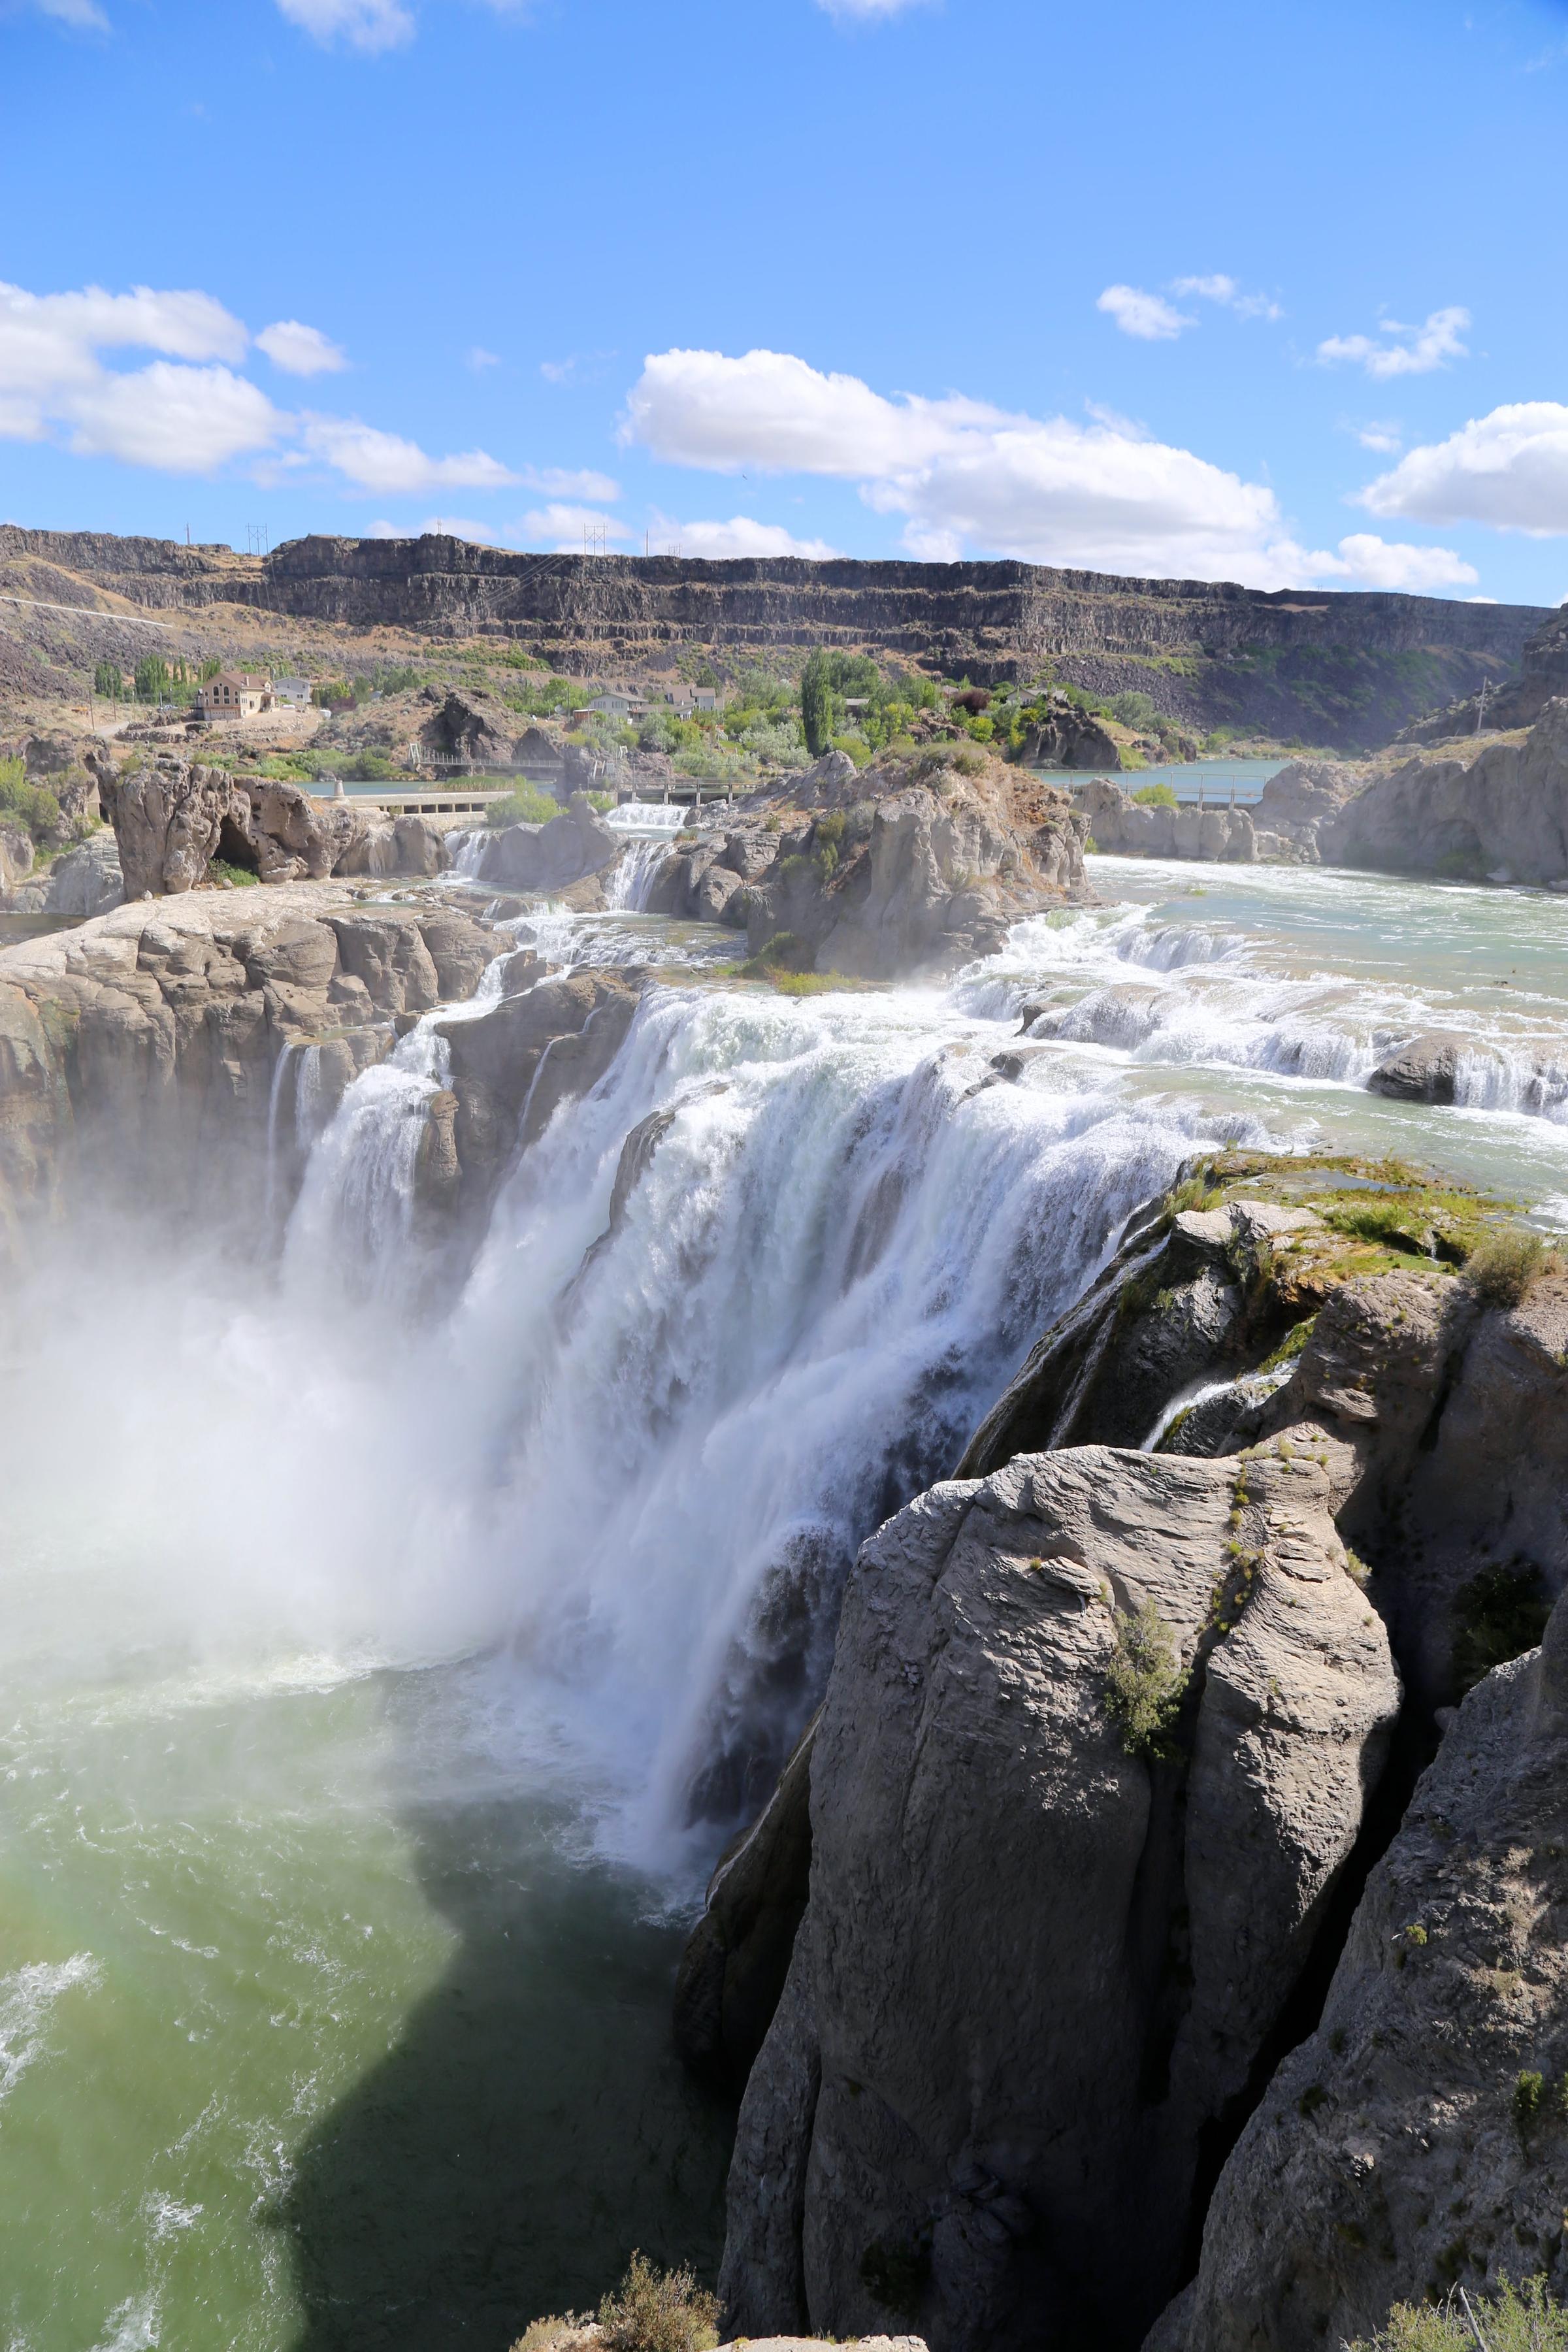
(382,1668)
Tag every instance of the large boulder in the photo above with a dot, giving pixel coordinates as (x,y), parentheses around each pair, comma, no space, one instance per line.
(1418,2140)
(1037,1968)
(1066,737)
(1424,1070)
(168,816)
(469,726)
(543,857)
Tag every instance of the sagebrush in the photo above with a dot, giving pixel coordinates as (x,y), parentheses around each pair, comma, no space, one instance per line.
(1526,2320)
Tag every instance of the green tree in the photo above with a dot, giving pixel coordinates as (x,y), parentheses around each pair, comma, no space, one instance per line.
(152,681)
(816,705)
(106,681)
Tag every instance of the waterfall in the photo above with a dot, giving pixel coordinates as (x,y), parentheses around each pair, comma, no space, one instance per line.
(673,1431)
(627,887)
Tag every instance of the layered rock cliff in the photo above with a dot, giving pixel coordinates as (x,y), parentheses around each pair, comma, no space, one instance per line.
(1337,668)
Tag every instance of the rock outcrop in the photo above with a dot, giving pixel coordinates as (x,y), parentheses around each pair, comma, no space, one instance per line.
(1498,811)
(913,865)
(1066,737)
(79,883)
(1122,825)
(970,2083)
(548,857)
(171,816)
(1419,2139)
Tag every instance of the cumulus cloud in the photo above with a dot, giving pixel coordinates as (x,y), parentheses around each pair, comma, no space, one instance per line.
(1148,316)
(740,535)
(1402,350)
(564,526)
(386,463)
(1509,468)
(478,359)
(967,475)
(301,350)
(370,26)
(1228,294)
(187,411)
(184,418)
(1383,434)
(1372,563)
(561,482)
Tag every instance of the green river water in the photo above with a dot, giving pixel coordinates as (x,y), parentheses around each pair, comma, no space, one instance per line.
(332,2016)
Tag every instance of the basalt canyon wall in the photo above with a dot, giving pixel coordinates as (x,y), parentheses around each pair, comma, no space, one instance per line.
(1330,668)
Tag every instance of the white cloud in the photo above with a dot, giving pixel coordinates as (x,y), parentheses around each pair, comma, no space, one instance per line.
(81,15)
(301,350)
(368,24)
(867,12)
(1372,563)
(1407,350)
(1385,435)
(717,541)
(183,420)
(559,482)
(478,359)
(1509,468)
(564,526)
(384,462)
(1148,316)
(1229,296)
(967,475)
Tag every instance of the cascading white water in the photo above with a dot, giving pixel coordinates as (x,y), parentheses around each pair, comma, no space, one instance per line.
(846,1235)
(629,881)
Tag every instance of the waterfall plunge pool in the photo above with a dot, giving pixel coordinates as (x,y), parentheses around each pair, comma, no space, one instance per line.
(379,1680)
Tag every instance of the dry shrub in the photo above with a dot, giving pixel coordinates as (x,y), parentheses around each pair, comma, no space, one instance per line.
(659,2311)
(1502,1267)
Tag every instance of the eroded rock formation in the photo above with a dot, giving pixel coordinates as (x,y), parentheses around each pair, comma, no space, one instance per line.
(1418,2137)
(547,857)
(973,2080)
(914,866)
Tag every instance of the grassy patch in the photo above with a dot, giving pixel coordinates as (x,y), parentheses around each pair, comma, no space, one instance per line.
(1512,2321)
(220,869)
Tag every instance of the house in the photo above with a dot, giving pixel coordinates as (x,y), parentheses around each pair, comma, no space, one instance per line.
(683,698)
(234,694)
(292,693)
(617,702)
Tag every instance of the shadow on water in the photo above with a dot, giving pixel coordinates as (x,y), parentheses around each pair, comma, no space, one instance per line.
(532,2123)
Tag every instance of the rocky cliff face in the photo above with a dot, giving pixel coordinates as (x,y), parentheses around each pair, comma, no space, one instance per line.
(1039,1983)
(1418,2138)
(1346,669)
(972,2084)
(140,1053)
(1500,813)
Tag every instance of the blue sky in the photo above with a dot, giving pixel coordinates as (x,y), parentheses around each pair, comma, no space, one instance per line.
(1272,295)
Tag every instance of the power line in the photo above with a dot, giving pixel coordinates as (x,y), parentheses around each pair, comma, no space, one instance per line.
(89,613)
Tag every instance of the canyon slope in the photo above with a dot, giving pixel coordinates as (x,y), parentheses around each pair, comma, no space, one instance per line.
(1325,666)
